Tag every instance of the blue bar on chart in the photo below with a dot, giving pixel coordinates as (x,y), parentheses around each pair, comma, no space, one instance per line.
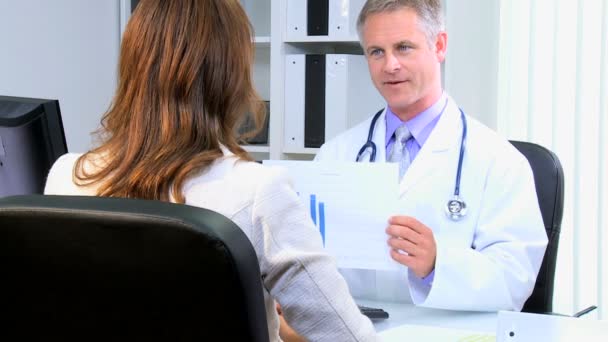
(313,215)
(322,220)
(313,208)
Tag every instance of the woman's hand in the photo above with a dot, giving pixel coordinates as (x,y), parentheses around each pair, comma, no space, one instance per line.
(286,333)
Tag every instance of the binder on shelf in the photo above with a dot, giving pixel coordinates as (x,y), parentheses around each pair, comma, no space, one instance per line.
(342,20)
(317,17)
(314,100)
(351,96)
(296,19)
(324,96)
(293,125)
(328,18)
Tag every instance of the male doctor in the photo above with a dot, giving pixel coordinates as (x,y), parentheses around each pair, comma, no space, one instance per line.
(487,259)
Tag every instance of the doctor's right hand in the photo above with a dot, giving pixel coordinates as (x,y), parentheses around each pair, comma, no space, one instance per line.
(407,234)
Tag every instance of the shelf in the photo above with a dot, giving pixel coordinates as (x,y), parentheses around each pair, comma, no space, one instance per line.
(303,150)
(262,41)
(256,148)
(323,39)
(324,46)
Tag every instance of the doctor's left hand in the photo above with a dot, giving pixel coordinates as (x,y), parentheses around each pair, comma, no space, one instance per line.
(407,234)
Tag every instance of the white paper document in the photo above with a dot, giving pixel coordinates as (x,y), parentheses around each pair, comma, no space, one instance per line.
(350,203)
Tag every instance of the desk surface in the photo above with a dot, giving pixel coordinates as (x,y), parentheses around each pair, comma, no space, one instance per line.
(426,324)
(401,314)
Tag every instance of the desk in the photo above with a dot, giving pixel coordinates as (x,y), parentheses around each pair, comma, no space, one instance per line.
(402,313)
(529,327)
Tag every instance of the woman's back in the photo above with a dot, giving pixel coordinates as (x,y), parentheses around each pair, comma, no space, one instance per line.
(295,270)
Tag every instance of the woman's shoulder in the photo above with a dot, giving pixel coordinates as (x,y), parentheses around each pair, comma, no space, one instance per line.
(262,177)
(60,178)
(255,178)
(233,183)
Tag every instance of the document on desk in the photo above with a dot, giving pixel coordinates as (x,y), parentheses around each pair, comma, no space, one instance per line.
(350,203)
(427,333)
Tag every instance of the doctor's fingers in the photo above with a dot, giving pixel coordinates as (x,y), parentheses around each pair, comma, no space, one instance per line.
(404,245)
(404,232)
(404,259)
(411,222)
(421,267)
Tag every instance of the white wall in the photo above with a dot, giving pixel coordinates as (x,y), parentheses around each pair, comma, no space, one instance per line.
(471,66)
(62,49)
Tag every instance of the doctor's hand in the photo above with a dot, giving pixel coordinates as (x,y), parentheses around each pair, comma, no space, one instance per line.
(412,244)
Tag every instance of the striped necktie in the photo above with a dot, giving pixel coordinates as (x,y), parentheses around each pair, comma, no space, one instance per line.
(399,153)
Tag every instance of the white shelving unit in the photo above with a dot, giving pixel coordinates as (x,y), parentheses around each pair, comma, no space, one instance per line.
(269,21)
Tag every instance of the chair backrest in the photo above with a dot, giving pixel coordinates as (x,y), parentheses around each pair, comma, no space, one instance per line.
(549,180)
(90,268)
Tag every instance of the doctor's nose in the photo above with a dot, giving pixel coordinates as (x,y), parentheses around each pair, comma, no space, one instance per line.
(391,64)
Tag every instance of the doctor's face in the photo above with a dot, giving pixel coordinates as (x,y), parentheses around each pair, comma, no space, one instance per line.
(404,66)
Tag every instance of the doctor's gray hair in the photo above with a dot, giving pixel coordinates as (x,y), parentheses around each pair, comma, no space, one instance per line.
(430,13)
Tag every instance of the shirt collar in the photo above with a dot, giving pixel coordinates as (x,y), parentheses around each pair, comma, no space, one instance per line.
(420,125)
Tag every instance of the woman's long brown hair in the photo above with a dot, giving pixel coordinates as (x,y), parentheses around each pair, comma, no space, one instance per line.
(184,83)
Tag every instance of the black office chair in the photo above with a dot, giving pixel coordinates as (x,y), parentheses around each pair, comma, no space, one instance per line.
(549,180)
(89,268)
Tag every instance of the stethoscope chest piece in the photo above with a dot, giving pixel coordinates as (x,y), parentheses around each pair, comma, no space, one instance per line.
(456,208)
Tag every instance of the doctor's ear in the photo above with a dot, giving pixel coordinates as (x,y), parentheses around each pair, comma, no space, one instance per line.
(441,46)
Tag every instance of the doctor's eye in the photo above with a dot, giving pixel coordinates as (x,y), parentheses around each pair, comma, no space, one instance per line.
(404,48)
(375,53)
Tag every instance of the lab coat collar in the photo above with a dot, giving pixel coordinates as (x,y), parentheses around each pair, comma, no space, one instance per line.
(433,155)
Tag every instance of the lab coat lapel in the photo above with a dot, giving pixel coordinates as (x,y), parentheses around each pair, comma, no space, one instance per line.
(436,154)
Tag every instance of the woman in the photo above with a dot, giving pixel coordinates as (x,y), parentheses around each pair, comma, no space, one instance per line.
(184,83)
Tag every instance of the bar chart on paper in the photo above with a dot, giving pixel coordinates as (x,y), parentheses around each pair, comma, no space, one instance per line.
(349,203)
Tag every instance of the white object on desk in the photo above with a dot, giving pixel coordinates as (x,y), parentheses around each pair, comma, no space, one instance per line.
(434,334)
(350,203)
(527,327)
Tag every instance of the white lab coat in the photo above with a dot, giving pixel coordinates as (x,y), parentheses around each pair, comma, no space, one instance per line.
(489,259)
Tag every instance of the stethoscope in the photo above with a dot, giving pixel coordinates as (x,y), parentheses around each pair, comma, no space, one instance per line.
(455,208)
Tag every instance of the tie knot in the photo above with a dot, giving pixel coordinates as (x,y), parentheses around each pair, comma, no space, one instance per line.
(402,134)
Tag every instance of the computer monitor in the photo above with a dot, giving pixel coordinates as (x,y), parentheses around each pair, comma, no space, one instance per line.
(31,140)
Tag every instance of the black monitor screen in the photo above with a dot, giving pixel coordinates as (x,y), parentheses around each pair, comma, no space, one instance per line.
(31,140)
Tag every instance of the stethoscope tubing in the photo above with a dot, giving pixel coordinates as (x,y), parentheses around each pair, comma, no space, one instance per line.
(369,144)
(463,141)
